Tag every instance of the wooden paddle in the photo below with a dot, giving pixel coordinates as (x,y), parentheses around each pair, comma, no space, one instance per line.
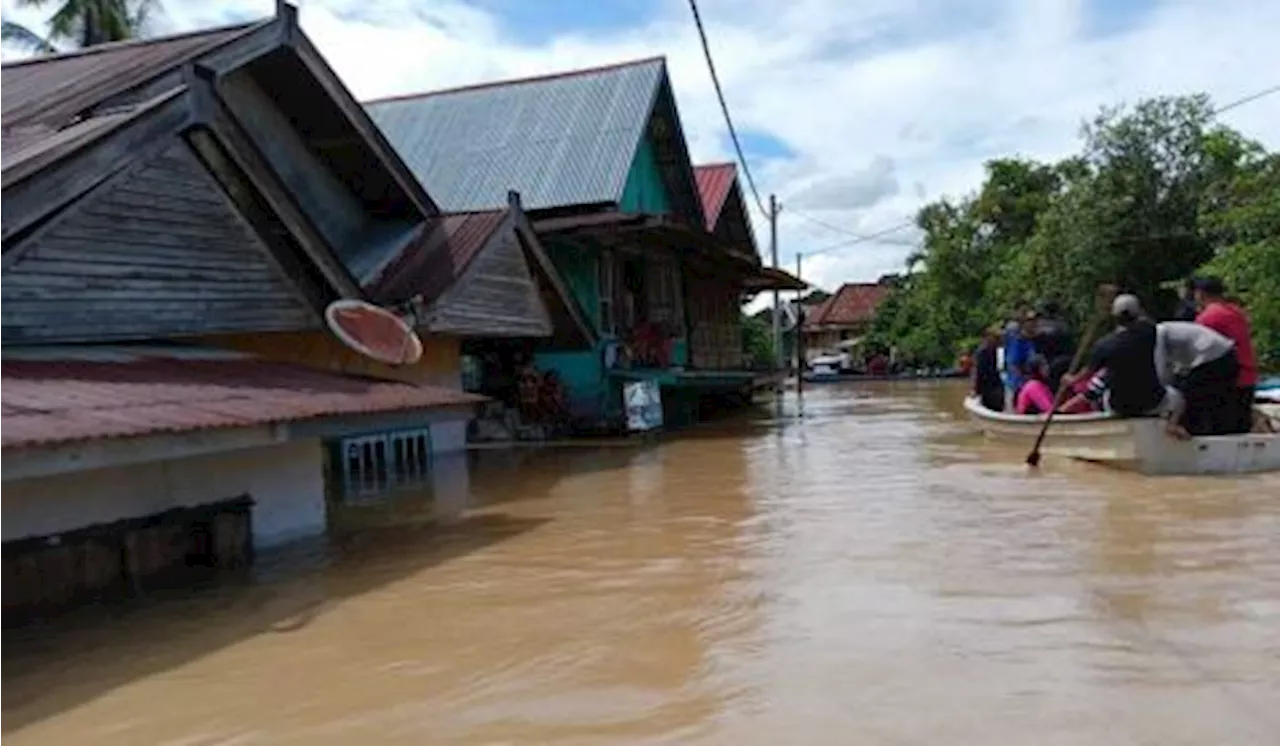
(1102,310)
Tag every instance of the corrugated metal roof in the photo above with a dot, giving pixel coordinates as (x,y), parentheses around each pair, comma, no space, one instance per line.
(53,90)
(715,182)
(438,257)
(566,139)
(59,395)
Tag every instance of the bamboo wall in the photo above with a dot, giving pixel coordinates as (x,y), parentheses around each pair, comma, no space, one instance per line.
(715,325)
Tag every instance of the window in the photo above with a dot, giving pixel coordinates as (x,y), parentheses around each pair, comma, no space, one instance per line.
(374,464)
(604,280)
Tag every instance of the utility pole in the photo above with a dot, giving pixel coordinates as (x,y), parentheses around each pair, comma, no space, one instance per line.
(774,207)
(799,340)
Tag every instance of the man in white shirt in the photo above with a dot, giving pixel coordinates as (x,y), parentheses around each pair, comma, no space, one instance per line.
(1200,364)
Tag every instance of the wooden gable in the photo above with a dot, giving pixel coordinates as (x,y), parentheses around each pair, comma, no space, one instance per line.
(496,295)
(157,251)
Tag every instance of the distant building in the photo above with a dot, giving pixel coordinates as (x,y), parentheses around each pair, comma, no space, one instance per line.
(843,318)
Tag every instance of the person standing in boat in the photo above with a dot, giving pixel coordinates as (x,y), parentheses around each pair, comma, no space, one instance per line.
(1018,349)
(1053,340)
(987,385)
(1230,320)
(1202,365)
(1123,363)
(1186,310)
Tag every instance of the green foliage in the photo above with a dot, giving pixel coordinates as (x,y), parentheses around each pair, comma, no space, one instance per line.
(21,36)
(83,23)
(757,341)
(1154,193)
(1242,214)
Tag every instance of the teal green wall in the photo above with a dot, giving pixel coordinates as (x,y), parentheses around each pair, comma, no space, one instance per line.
(680,352)
(645,191)
(582,371)
(578,268)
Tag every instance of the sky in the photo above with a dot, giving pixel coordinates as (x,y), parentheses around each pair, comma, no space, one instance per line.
(853,113)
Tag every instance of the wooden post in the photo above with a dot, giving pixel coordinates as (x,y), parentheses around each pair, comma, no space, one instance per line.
(773,251)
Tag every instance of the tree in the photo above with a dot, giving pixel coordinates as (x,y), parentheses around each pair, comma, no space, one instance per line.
(1155,192)
(1242,215)
(21,36)
(83,23)
(757,342)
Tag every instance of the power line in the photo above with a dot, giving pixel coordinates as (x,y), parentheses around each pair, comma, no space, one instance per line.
(1247,99)
(724,107)
(860,239)
(823,223)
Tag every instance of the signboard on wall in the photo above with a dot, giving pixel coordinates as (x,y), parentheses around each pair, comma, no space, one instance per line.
(643,401)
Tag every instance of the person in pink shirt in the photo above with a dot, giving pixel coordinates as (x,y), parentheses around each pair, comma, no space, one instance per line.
(1035,396)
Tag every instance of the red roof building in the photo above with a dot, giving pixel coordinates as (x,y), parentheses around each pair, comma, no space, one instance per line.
(842,317)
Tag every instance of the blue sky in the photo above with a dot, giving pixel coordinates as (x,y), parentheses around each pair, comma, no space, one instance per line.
(854,113)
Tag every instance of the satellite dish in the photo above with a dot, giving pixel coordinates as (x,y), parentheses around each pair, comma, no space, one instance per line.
(373,332)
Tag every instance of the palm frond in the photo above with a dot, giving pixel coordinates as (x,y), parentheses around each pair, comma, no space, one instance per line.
(19,35)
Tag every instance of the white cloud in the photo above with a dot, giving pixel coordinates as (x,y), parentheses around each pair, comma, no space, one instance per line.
(930,87)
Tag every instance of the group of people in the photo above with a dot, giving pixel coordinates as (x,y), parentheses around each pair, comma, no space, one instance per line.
(1198,371)
(1020,366)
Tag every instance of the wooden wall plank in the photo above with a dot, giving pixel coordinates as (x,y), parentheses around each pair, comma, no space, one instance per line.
(129,263)
(496,296)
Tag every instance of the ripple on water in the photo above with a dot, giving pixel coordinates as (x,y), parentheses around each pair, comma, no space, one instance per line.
(870,573)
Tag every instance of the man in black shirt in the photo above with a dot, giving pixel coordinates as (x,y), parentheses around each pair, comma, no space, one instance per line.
(1128,357)
(1053,340)
(986,372)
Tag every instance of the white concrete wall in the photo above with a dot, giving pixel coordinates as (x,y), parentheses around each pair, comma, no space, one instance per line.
(449,436)
(286,482)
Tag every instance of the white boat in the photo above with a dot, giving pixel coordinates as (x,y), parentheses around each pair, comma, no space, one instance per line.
(1140,444)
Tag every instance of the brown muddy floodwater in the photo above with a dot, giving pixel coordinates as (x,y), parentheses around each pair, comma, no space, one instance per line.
(870,575)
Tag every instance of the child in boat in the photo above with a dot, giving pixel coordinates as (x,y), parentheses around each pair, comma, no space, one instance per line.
(1035,396)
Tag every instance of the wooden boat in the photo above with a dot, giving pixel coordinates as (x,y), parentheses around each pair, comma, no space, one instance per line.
(1139,444)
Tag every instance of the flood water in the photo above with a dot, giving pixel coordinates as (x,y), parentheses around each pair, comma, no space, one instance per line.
(870,574)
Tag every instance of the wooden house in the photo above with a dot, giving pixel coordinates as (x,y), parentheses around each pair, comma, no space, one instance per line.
(177,213)
(600,159)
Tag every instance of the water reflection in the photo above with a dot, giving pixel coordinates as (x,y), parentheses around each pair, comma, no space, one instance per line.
(871,573)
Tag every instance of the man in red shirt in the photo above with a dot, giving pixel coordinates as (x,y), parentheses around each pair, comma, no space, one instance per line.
(1229,320)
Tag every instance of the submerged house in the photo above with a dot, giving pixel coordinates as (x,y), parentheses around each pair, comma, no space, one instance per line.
(600,159)
(177,213)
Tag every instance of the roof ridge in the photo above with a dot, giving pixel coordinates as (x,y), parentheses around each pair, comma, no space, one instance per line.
(518,81)
(129,43)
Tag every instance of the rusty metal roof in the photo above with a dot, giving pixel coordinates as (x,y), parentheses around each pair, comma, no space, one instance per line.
(59,395)
(438,257)
(54,90)
(559,140)
(715,183)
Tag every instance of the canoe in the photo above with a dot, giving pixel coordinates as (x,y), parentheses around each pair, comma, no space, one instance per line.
(1139,444)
